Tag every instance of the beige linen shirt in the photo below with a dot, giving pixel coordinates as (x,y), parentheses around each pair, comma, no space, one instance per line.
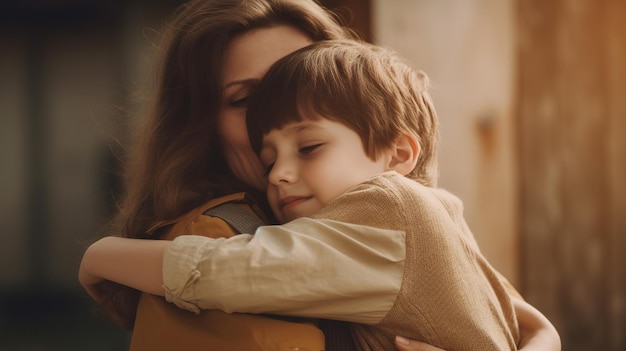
(390,255)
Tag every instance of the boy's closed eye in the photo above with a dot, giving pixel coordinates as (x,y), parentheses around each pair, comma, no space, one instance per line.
(309,149)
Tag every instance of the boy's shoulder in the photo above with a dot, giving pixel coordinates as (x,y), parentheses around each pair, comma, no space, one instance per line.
(392,180)
(387,194)
(390,201)
(393,184)
(403,192)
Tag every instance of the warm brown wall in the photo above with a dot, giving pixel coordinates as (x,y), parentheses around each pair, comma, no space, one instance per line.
(68,73)
(532,101)
(468,50)
(572,120)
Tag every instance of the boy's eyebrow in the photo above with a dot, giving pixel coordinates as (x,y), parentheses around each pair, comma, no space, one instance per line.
(297,127)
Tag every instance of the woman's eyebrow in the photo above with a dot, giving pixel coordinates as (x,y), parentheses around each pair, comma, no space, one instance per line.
(248,81)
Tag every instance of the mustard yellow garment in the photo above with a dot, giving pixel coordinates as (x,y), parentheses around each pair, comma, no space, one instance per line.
(161,326)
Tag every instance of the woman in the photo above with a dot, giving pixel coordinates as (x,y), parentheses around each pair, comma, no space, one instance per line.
(194,145)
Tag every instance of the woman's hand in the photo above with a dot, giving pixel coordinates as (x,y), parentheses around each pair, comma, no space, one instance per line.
(404,344)
(89,283)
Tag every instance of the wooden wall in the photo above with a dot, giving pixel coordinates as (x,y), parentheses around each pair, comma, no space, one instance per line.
(468,50)
(572,121)
(564,134)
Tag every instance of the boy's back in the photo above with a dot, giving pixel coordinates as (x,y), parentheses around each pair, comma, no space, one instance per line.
(450,296)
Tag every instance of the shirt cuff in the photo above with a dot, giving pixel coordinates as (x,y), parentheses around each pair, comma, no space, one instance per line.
(180,269)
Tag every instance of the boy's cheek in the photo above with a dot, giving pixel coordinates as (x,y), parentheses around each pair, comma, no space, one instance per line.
(272,198)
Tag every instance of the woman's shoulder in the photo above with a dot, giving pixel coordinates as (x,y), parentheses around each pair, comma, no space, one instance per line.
(233,213)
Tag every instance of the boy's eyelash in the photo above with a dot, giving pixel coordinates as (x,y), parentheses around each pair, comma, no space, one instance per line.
(305,150)
(308,149)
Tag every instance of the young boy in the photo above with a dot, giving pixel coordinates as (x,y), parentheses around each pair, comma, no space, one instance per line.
(348,134)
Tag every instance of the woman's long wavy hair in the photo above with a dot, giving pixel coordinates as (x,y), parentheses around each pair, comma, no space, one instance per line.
(177,163)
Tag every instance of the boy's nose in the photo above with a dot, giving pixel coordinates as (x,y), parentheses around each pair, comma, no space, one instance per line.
(282,172)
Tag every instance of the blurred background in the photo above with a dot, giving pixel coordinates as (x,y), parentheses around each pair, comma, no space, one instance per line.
(531,95)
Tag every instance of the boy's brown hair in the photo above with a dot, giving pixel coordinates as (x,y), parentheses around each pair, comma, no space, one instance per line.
(368,88)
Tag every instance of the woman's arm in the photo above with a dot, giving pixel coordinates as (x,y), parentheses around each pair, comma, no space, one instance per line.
(536,331)
(136,263)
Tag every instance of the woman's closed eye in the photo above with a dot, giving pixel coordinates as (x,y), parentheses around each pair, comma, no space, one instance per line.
(241,102)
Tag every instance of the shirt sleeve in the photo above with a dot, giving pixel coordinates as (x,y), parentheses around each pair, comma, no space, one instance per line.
(309,268)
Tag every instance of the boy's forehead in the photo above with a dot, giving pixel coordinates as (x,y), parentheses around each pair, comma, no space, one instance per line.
(292,128)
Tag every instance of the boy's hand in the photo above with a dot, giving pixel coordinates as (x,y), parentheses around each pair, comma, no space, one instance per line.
(136,263)
(88,280)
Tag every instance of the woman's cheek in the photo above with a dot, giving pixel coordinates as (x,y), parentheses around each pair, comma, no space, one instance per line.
(233,128)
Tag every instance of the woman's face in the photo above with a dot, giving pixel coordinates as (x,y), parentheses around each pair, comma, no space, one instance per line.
(246,59)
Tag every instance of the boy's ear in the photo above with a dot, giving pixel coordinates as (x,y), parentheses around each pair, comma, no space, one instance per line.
(404,153)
